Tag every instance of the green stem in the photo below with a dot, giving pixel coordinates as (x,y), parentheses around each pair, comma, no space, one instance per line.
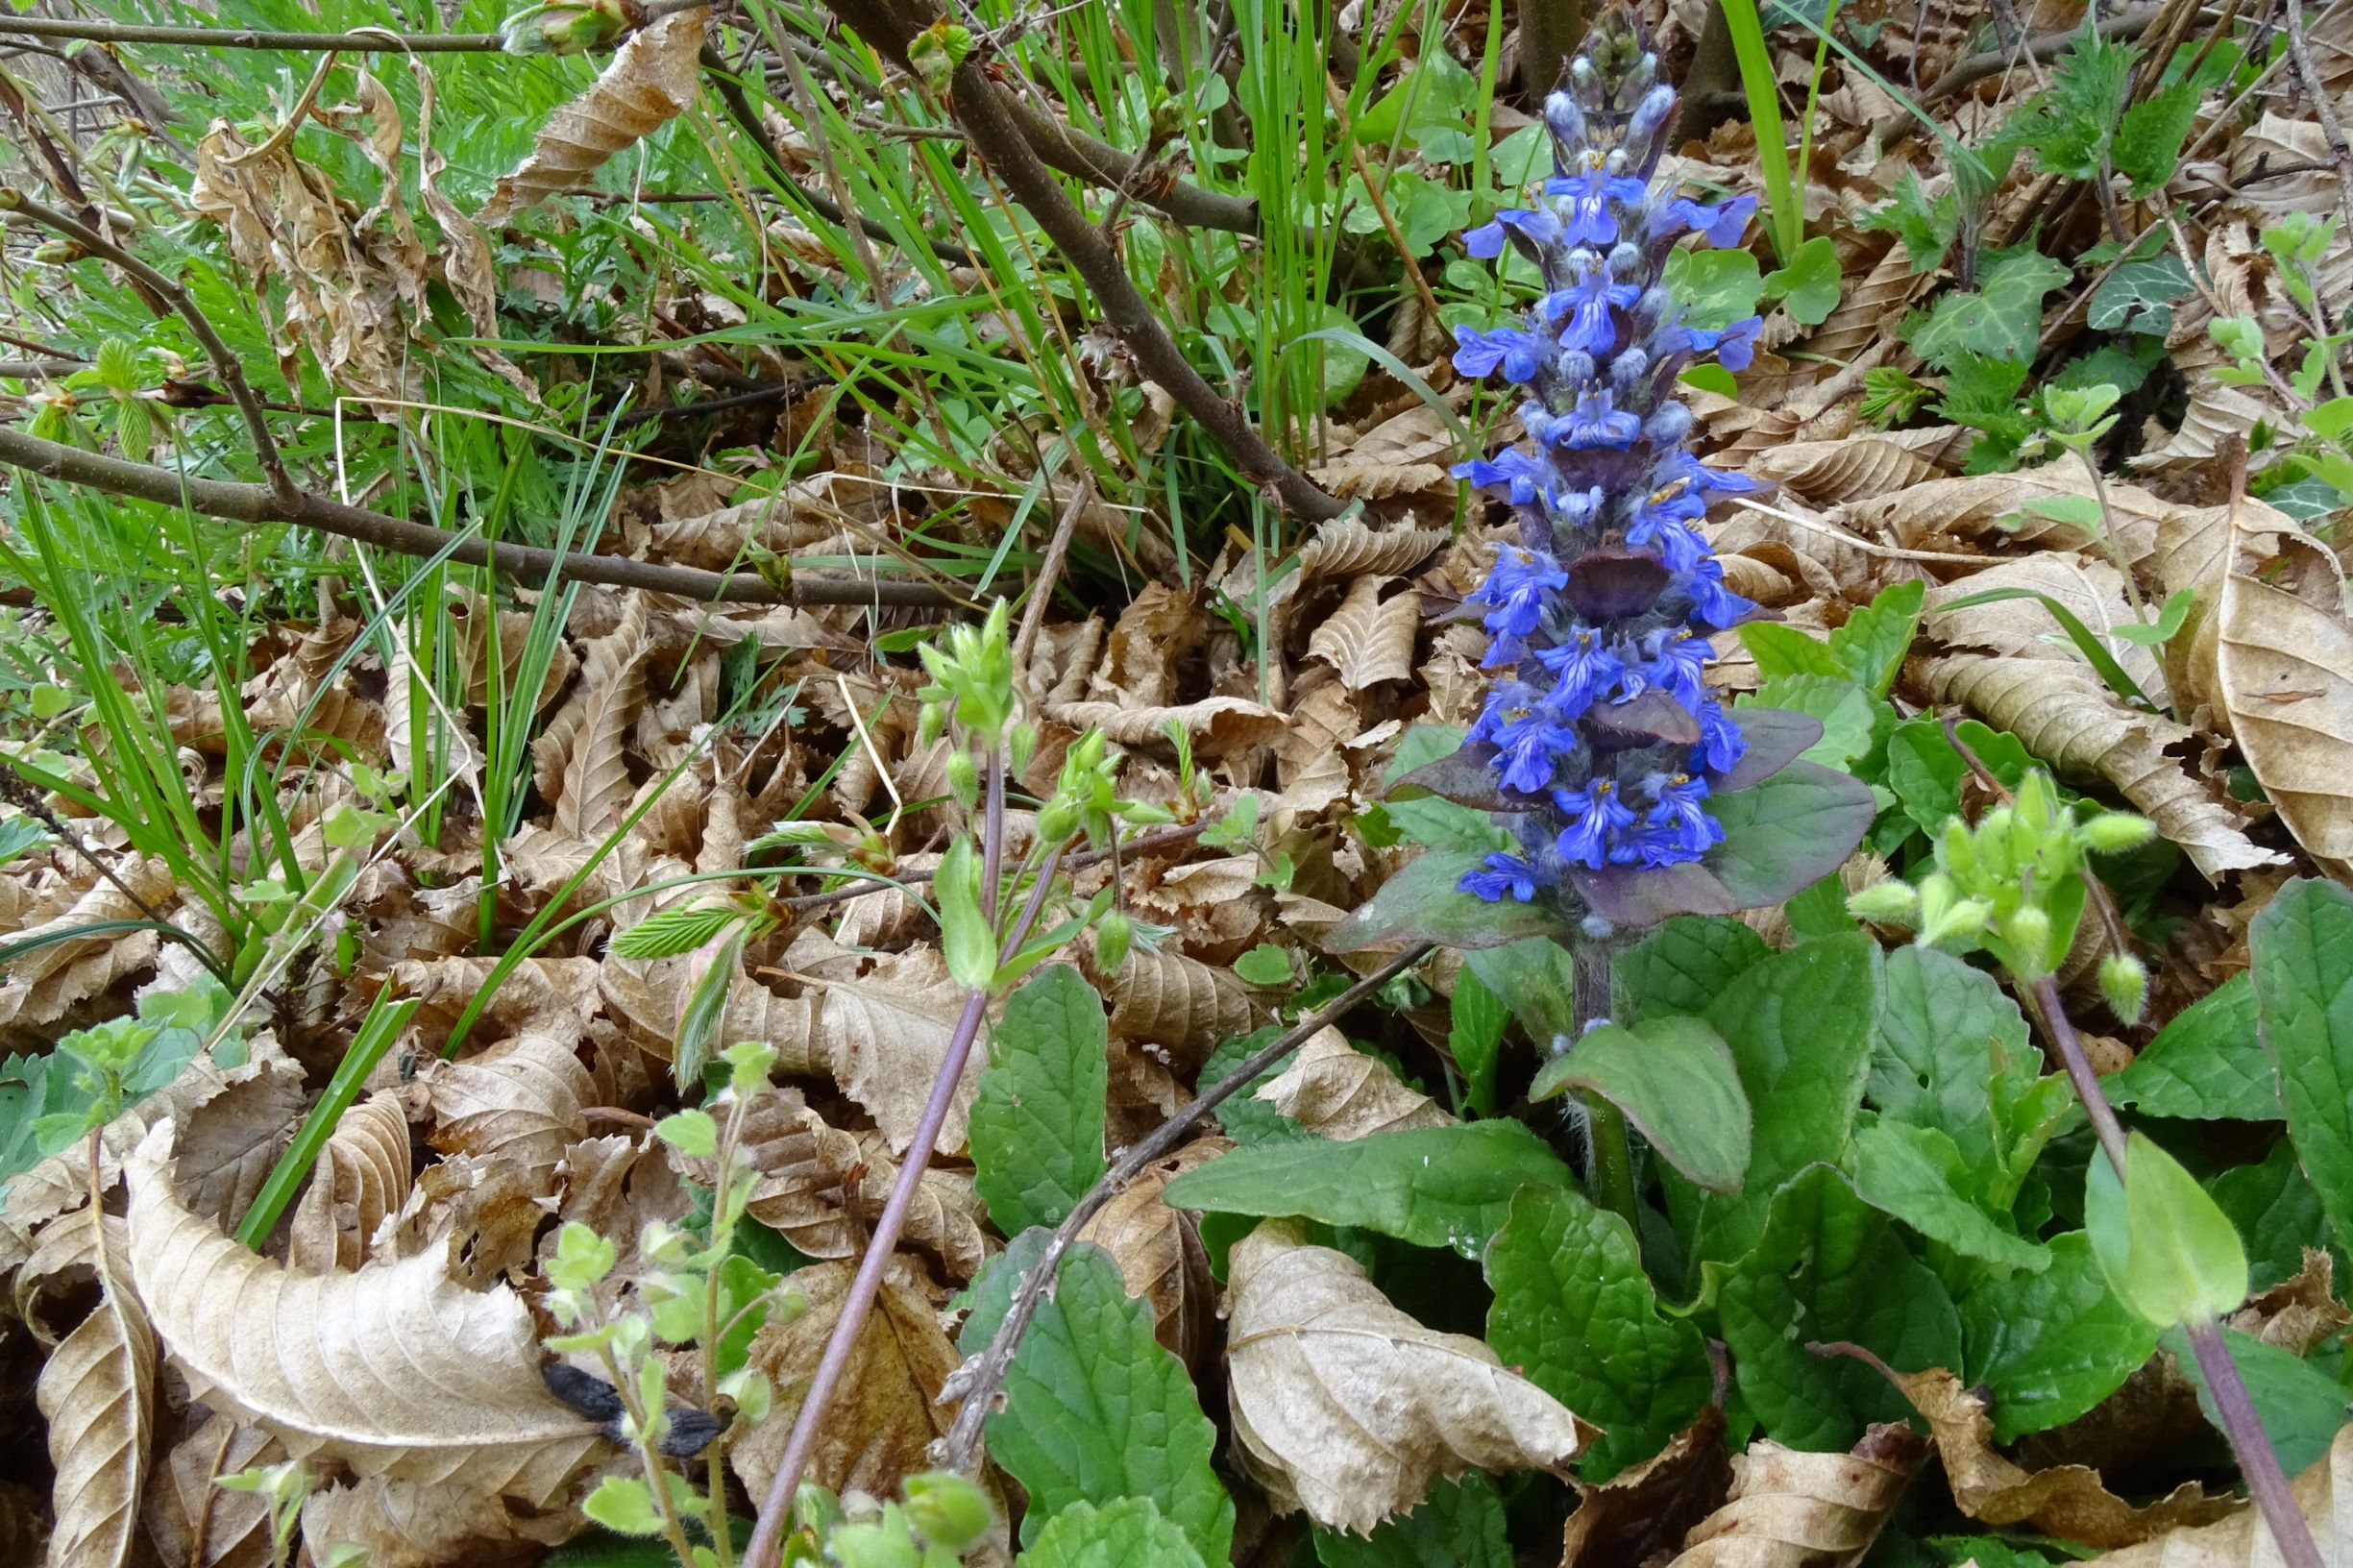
(1612,1176)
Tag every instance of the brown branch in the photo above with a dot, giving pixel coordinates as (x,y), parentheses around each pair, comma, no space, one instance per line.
(225,364)
(960,1449)
(368,40)
(236,503)
(1068,150)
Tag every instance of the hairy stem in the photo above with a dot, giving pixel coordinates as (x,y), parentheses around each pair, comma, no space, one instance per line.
(2266,1482)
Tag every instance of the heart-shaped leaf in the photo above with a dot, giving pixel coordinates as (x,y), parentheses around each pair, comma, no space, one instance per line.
(1787,831)
(1676,1083)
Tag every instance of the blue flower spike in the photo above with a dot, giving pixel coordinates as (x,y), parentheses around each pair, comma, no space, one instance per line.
(1601,616)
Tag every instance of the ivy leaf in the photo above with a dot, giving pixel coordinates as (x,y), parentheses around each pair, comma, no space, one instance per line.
(2208,1064)
(2301,1406)
(1575,1311)
(2302,945)
(1808,288)
(2050,1346)
(1829,1267)
(1919,1175)
(2148,139)
(1125,1532)
(1675,1081)
(1036,1123)
(1460,1525)
(1430,1186)
(1799,1026)
(1242,1115)
(2138,296)
(1095,1410)
(1683,967)
(2001,321)
(1872,644)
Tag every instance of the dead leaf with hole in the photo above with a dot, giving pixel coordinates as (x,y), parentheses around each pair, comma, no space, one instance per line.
(1792,1509)
(1368,639)
(397,1370)
(1338,1091)
(649,82)
(97,1391)
(1345,1406)
(2323,1495)
(363,1176)
(2284,670)
(2067,1500)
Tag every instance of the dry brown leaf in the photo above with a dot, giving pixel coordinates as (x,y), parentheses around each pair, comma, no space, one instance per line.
(1336,1091)
(1827,473)
(1794,1510)
(397,1370)
(478,1213)
(821,1188)
(227,1145)
(1642,1514)
(2067,1500)
(1993,508)
(2025,629)
(884,1412)
(884,1038)
(50,981)
(97,1390)
(1347,1407)
(1219,725)
(523,1100)
(361,1178)
(1179,1004)
(236,1524)
(2062,713)
(649,82)
(593,787)
(2323,1494)
(2296,1314)
(1368,639)
(540,996)
(2283,673)
(1159,1251)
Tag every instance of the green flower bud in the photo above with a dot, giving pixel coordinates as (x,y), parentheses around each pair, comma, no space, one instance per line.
(2027,931)
(2124,981)
(815,1509)
(562,27)
(964,779)
(947,1508)
(937,51)
(2113,831)
(1168,120)
(1057,819)
(1957,849)
(1023,746)
(931,722)
(886,1543)
(1111,941)
(1892,900)
(1141,813)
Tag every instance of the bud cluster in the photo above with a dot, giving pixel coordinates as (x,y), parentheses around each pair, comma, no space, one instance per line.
(1601,734)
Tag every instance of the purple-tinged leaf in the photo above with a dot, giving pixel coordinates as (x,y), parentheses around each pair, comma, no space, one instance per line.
(1611,584)
(1467,777)
(1425,903)
(1788,831)
(1643,895)
(1776,738)
(1654,718)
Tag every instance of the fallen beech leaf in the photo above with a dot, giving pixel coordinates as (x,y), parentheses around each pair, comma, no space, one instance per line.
(2284,666)
(1368,639)
(1159,1251)
(2323,1494)
(236,1524)
(523,1100)
(1827,473)
(2296,1314)
(97,1391)
(1643,1514)
(2067,1500)
(1177,1003)
(407,1524)
(1347,1407)
(1792,1509)
(649,82)
(397,1370)
(362,1176)
(1219,725)
(1336,1091)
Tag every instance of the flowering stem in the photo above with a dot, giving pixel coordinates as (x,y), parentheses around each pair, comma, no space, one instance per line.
(1612,1177)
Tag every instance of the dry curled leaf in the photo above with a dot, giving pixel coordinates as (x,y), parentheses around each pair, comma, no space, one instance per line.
(1368,639)
(523,1101)
(182,1495)
(1336,1091)
(1179,1004)
(2323,1495)
(1219,725)
(361,1177)
(1347,1407)
(1159,1251)
(648,82)
(97,1390)
(397,1370)
(1792,1509)
(1642,1514)
(1827,473)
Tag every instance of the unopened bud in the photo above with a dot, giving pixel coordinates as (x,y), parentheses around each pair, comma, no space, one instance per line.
(2027,931)
(949,1510)
(1021,747)
(2113,831)
(562,27)
(1892,900)
(1111,941)
(2123,982)
(964,779)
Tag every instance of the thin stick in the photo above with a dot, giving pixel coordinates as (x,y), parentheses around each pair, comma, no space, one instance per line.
(1049,570)
(1381,207)
(2265,1481)
(236,503)
(960,1449)
(369,40)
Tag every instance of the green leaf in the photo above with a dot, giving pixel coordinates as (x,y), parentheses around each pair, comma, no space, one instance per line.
(2138,296)
(1715,288)
(1125,1532)
(1847,713)
(1475,1037)
(1675,1080)
(2049,1346)
(1430,1186)
(2002,320)
(2207,1064)
(2088,642)
(966,939)
(691,1133)
(1786,831)
(1036,1123)
(1808,288)
(2275,1209)
(2301,1406)
(2169,1254)
(1683,967)
(1536,982)
(1942,1024)
(1436,94)
(1829,1268)
(1575,1311)
(2171,616)
(1785,650)
(1245,1117)
(1458,1524)
(1919,1175)
(2068,125)
(2303,965)
(1925,228)
(1265,964)
(668,933)
(1424,902)
(1925,772)
(623,1504)
(1799,1026)
(2148,141)
(1095,1410)
(1872,644)
(706,1006)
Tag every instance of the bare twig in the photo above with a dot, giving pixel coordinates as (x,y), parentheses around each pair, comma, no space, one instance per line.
(2300,48)
(225,364)
(259,503)
(1049,570)
(372,40)
(960,1449)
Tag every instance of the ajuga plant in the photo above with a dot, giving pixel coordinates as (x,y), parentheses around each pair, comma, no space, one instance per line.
(1629,791)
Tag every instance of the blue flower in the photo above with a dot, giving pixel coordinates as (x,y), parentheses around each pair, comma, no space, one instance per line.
(1597,422)
(1586,304)
(1596,815)
(1720,225)
(1722,745)
(1509,703)
(1660,525)
(1585,669)
(1677,804)
(1676,657)
(1516,590)
(1512,472)
(1736,345)
(1589,192)
(1533,228)
(1712,603)
(1529,753)
(1505,876)
(1520,355)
